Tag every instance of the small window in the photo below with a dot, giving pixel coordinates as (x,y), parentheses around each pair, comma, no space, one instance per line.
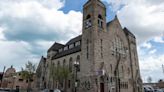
(100,23)
(71,46)
(65,48)
(60,50)
(20,79)
(77,43)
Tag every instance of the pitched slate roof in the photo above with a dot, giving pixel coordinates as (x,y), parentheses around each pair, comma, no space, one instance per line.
(69,51)
(73,40)
(55,47)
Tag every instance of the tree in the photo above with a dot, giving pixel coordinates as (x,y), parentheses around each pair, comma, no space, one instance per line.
(28,73)
(59,74)
(160,81)
(149,79)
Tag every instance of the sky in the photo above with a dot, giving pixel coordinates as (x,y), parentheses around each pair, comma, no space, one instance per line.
(29,27)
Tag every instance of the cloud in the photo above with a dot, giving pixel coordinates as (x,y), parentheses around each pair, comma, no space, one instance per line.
(16,54)
(142,17)
(151,65)
(143,20)
(35,18)
(29,27)
(159,39)
(1,34)
(152,51)
(146,45)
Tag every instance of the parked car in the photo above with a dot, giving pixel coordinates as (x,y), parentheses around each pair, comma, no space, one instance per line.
(45,90)
(57,90)
(148,88)
(158,90)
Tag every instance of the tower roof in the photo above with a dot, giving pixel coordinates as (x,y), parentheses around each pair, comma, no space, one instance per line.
(93,1)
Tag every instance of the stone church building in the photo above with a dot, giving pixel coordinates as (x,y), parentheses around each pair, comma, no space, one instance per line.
(102,59)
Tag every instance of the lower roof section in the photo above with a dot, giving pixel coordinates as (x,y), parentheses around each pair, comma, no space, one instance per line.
(67,52)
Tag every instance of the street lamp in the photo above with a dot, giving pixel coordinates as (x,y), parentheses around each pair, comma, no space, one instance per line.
(76,65)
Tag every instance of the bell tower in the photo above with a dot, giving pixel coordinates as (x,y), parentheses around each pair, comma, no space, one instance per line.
(94,24)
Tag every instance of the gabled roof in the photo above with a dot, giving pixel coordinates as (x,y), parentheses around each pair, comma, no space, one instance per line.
(55,47)
(78,38)
(114,20)
(43,58)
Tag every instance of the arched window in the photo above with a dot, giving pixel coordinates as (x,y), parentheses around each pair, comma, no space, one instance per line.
(122,68)
(58,63)
(111,68)
(118,47)
(78,60)
(70,64)
(128,70)
(88,16)
(87,22)
(100,17)
(100,21)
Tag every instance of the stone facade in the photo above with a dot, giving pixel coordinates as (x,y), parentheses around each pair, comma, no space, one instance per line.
(40,74)
(107,55)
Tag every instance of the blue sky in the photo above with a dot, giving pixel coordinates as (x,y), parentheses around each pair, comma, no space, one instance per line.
(29,27)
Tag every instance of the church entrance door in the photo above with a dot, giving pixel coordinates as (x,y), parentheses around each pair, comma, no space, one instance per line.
(101,87)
